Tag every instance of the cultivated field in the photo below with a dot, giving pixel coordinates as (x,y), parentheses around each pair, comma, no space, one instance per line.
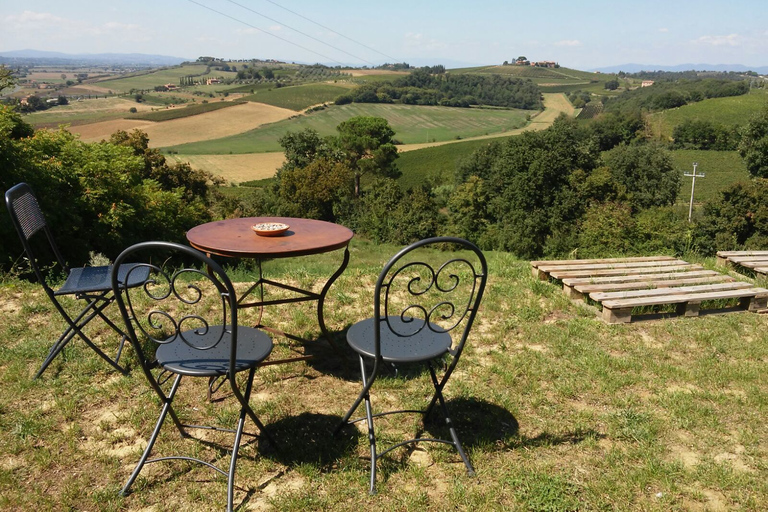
(298,97)
(211,125)
(411,124)
(418,168)
(85,111)
(721,169)
(236,168)
(731,111)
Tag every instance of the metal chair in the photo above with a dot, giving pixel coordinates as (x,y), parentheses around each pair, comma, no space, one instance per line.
(422,314)
(91,284)
(183,323)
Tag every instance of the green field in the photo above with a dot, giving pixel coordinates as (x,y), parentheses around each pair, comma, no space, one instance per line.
(412,124)
(721,169)
(437,165)
(732,111)
(81,112)
(298,97)
(161,76)
(189,110)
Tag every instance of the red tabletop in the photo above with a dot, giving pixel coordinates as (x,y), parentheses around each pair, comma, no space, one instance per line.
(235,238)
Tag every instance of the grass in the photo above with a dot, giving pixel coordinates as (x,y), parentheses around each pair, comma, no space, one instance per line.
(558,411)
(731,111)
(721,169)
(298,97)
(412,124)
(436,164)
(83,112)
(187,111)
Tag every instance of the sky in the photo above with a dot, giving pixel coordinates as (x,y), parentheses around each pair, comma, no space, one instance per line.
(584,34)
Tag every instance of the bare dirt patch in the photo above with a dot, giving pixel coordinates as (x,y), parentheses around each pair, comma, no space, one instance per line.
(95,132)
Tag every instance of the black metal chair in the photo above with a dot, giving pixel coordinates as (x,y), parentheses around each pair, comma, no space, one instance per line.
(422,314)
(91,284)
(188,319)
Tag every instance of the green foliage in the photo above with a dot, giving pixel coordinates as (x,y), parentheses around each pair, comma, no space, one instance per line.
(646,173)
(365,144)
(312,191)
(97,197)
(738,219)
(667,95)
(705,135)
(422,87)
(753,147)
(612,85)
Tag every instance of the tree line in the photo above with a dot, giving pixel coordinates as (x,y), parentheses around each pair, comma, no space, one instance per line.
(424,87)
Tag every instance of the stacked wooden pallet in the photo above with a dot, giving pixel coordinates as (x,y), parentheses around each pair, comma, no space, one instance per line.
(621,284)
(755,260)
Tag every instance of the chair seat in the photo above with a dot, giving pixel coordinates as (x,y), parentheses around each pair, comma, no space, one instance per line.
(98,279)
(423,346)
(253,347)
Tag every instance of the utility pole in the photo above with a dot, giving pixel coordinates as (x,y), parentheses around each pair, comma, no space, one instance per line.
(693,187)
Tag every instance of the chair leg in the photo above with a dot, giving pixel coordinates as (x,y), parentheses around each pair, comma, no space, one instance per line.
(371,442)
(448,421)
(166,407)
(233,462)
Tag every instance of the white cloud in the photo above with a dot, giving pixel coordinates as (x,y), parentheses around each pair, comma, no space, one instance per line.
(276,28)
(571,42)
(664,30)
(729,40)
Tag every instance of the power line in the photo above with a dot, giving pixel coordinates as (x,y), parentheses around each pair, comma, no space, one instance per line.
(302,33)
(337,33)
(265,32)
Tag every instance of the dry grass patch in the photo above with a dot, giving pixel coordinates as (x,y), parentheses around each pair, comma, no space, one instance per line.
(236,168)
(207,126)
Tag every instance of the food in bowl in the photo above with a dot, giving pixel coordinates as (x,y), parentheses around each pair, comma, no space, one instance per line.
(270,228)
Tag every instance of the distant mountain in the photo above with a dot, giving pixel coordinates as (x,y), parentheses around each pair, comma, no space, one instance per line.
(122,59)
(635,68)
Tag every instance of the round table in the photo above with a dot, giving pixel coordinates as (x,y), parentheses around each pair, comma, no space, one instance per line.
(234,238)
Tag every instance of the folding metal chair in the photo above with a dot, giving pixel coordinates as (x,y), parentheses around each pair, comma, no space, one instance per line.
(183,323)
(422,314)
(91,284)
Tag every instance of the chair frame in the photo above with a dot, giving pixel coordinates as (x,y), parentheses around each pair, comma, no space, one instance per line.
(383,287)
(216,275)
(21,197)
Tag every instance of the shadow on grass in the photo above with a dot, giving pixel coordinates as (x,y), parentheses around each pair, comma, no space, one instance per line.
(478,422)
(308,439)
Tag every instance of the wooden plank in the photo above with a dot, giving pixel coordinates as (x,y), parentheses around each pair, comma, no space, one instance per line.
(762,270)
(753,264)
(621,271)
(574,281)
(590,289)
(739,259)
(673,299)
(677,290)
(601,266)
(728,254)
(602,260)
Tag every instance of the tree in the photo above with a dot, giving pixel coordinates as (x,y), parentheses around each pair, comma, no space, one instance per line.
(365,145)
(645,171)
(753,146)
(6,78)
(612,85)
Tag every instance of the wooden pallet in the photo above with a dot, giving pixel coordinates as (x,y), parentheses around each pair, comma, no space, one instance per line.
(755,260)
(621,284)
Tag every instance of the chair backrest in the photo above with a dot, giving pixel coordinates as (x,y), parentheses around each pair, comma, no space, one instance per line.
(428,285)
(188,303)
(28,219)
